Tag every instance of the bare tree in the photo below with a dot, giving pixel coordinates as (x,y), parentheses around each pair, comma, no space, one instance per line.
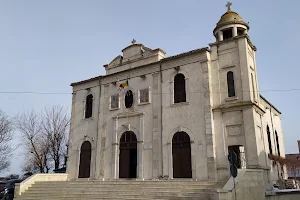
(36,145)
(55,126)
(44,137)
(6,135)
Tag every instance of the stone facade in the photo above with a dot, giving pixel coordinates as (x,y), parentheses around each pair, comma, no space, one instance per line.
(214,122)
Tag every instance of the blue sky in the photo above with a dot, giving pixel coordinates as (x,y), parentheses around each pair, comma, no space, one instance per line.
(46,45)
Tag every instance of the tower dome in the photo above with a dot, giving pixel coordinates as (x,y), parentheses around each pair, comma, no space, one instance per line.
(230,25)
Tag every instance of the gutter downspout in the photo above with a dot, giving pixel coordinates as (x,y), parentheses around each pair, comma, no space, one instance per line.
(98,113)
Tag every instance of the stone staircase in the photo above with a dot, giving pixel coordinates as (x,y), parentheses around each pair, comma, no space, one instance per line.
(122,189)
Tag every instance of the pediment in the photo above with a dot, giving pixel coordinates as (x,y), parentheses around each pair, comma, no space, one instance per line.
(116,61)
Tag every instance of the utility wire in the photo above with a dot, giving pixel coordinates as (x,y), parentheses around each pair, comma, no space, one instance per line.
(66,93)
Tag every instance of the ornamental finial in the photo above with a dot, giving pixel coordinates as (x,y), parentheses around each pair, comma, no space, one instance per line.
(228,5)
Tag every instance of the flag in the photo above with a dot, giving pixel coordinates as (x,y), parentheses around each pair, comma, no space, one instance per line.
(123,85)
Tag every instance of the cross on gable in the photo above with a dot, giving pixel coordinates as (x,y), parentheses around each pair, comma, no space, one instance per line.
(228,5)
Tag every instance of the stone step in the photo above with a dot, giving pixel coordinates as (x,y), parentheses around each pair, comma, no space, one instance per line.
(129,182)
(38,186)
(110,198)
(68,190)
(129,189)
(157,193)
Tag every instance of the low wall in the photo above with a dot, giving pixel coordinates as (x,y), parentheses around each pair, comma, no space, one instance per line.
(249,185)
(24,185)
(284,195)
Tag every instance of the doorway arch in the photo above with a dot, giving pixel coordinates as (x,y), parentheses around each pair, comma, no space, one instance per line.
(128,155)
(85,160)
(181,153)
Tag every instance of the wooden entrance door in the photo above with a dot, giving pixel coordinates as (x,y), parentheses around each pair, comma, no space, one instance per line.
(128,155)
(85,160)
(181,151)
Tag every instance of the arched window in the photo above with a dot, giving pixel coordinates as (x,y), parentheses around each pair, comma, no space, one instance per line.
(277,143)
(128,99)
(89,106)
(269,140)
(230,84)
(179,88)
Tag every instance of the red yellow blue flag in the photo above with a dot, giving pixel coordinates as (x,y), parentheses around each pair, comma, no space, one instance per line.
(123,85)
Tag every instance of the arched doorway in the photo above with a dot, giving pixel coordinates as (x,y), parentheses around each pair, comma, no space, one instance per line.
(128,155)
(181,151)
(85,160)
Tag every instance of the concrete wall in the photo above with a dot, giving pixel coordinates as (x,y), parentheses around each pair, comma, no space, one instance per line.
(234,116)
(249,185)
(188,116)
(81,126)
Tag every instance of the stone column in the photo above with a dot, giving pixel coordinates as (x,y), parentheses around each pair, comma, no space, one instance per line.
(141,150)
(220,36)
(156,146)
(209,134)
(115,146)
(170,160)
(234,31)
(72,151)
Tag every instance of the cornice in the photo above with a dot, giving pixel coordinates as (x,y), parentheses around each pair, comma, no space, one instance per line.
(234,106)
(233,39)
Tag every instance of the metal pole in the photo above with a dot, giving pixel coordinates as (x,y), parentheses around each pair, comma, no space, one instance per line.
(234,188)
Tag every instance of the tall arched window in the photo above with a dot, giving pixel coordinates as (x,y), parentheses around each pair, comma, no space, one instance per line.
(269,140)
(89,106)
(230,84)
(179,88)
(277,143)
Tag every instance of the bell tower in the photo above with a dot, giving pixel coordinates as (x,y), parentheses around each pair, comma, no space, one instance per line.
(235,97)
(234,54)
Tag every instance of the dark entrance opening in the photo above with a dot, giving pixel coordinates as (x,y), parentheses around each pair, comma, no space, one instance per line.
(181,151)
(128,155)
(240,154)
(85,160)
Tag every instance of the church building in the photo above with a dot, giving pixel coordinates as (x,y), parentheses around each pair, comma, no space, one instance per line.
(154,117)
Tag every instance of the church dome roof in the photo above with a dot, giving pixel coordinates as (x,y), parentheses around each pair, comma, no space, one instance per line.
(231,17)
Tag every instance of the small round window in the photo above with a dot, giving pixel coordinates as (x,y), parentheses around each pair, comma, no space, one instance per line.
(128,99)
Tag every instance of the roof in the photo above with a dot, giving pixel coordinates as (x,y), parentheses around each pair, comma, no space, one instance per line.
(285,161)
(162,60)
(269,103)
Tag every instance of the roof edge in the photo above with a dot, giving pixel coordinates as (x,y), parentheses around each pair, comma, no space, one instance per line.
(269,103)
(205,49)
(85,81)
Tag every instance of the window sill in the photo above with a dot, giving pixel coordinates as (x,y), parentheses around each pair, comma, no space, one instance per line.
(180,104)
(112,109)
(231,98)
(88,119)
(145,103)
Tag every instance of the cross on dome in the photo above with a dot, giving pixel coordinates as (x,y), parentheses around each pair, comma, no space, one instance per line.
(228,5)
(133,41)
